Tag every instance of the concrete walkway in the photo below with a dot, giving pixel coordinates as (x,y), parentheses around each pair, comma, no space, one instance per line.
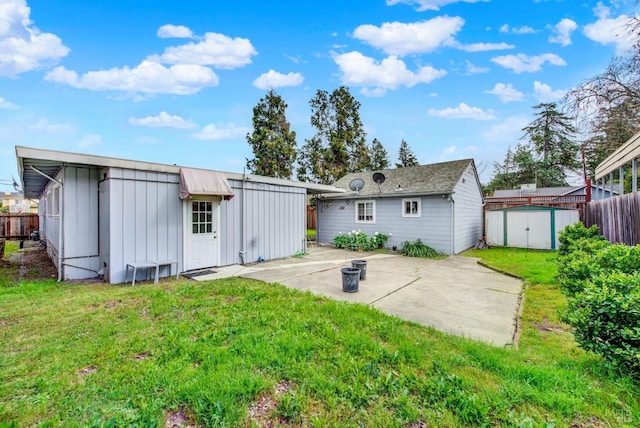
(454,295)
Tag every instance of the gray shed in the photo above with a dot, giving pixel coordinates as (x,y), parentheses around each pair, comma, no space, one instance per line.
(100,214)
(528,226)
(440,203)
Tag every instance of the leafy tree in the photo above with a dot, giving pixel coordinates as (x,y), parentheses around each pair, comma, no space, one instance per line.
(519,167)
(405,156)
(272,141)
(608,104)
(339,144)
(378,155)
(551,135)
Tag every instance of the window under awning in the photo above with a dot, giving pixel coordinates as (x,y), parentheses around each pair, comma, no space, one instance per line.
(199,182)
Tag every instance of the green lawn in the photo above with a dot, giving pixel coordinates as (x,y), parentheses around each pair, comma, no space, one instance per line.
(239,352)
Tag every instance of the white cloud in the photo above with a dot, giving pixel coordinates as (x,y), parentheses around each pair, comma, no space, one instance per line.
(213,132)
(214,49)
(521,63)
(89,140)
(545,94)
(146,77)
(163,120)
(22,46)
(463,111)
(422,5)
(608,30)
(52,128)
(273,79)
(507,93)
(521,30)
(390,73)
(449,150)
(508,131)
(482,47)
(6,105)
(397,38)
(563,30)
(473,69)
(174,31)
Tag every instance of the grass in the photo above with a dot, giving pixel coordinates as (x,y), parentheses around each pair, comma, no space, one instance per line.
(311,234)
(103,355)
(11,247)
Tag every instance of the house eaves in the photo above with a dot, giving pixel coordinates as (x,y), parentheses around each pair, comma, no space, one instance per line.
(37,166)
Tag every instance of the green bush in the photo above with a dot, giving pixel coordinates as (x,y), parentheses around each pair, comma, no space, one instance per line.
(417,249)
(606,318)
(571,235)
(357,240)
(575,270)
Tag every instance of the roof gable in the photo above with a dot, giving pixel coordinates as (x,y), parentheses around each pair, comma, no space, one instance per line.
(436,178)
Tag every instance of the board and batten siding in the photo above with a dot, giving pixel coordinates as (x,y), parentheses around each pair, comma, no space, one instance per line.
(433,226)
(468,211)
(80,222)
(50,222)
(145,216)
(263,220)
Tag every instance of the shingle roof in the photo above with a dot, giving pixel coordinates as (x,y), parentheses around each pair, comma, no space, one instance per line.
(436,178)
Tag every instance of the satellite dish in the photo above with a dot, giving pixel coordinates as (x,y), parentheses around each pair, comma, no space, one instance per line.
(356,184)
(379,178)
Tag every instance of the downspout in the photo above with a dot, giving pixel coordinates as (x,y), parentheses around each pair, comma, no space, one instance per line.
(453,224)
(243,251)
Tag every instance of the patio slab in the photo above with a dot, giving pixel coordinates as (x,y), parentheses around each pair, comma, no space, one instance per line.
(455,295)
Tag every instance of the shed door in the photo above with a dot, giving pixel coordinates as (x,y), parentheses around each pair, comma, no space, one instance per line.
(529,229)
(202,243)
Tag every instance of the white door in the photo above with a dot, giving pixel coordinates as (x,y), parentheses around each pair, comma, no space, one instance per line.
(529,229)
(202,243)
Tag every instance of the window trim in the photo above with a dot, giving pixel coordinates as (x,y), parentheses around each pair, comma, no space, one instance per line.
(373,212)
(411,215)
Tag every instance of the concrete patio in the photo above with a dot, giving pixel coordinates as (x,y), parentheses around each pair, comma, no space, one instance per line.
(455,295)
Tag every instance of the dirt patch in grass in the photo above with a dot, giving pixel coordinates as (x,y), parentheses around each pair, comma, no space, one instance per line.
(32,263)
(592,422)
(178,419)
(85,371)
(263,411)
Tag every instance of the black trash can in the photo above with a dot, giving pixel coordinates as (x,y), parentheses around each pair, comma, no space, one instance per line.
(362,265)
(350,279)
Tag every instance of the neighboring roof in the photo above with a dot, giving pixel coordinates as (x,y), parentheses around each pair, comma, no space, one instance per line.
(435,179)
(49,162)
(543,191)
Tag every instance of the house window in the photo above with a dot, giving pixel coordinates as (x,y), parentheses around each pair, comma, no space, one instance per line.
(201,217)
(366,212)
(53,201)
(411,208)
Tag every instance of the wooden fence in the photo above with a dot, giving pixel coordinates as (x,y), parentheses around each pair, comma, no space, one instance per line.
(311,218)
(618,218)
(18,226)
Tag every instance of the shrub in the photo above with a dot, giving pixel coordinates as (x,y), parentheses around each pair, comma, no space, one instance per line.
(357,240)
(570,235)
(606,318)
(575,270)
(417,249)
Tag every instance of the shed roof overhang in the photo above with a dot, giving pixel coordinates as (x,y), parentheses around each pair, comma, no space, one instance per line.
(621,157)
(33,163)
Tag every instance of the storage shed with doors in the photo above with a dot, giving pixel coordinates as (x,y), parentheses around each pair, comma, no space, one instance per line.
(440,204)
(529,226)
(99,214)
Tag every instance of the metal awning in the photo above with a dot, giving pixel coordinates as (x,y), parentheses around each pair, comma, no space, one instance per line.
(200,182)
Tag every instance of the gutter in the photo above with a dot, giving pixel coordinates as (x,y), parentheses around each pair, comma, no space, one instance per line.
(385,195)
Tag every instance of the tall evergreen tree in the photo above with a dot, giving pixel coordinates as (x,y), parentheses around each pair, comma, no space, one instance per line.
(272,140)
(551,135)
(339,144)
(378,155)
(405,156)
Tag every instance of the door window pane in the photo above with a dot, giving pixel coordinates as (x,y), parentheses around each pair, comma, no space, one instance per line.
(202,217)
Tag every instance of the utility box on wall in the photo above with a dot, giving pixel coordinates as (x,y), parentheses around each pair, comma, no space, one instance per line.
(528,226)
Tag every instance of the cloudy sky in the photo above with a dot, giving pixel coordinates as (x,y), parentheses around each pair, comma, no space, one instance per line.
(175,82)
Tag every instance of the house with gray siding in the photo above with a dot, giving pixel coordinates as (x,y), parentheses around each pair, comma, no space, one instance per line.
(440,204)
(100,214)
